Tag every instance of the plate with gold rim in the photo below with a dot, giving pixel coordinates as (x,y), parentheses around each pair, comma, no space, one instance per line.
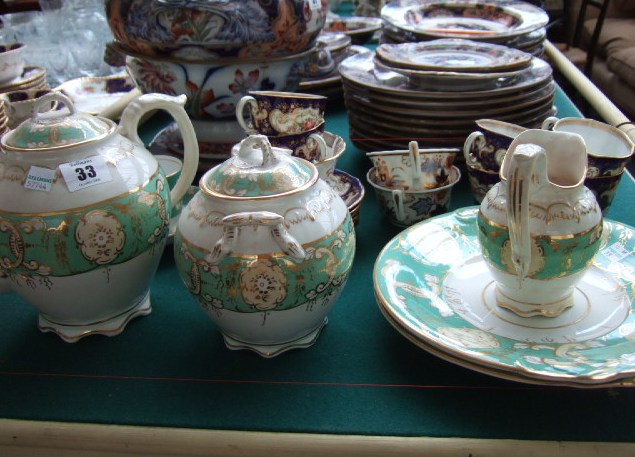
(453,55)
(432,282)
(473,19)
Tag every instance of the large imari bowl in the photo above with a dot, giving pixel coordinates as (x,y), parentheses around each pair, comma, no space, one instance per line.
(217,28)
(265,248)
(215,87)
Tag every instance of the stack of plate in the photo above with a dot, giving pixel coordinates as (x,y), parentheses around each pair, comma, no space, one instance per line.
(31,78)
(4,120)
(512,23)
(391,99)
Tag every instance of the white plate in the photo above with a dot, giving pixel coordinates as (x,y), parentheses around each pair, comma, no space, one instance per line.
(94,94)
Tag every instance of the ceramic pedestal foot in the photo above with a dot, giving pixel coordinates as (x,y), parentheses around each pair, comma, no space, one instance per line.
(272,350)
(110,327)
(525,309)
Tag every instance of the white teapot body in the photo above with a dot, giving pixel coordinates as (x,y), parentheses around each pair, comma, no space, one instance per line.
(84,216)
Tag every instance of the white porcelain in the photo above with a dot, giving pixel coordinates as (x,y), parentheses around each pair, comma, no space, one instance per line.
(214,88)
(609,149)
(485,148)
(11,61)
(406,207)
(19,104)
(265,248)
(540,227)
(432,284)
(414,169)
(85,210)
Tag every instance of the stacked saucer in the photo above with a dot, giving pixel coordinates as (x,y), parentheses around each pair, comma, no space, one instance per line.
(390,105)
(513,23)
(32,77)
(4,120)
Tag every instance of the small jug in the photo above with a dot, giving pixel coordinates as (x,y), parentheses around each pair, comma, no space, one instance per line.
(84,214)
(540,227)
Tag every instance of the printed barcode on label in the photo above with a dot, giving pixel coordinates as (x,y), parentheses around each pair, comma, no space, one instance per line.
(615,252)
(39,178)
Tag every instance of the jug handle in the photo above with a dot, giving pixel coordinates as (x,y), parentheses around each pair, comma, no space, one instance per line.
(521,168)
(129,124)
(549,123)
(234,222)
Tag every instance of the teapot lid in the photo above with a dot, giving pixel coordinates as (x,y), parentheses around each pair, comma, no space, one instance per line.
(56,130)
(257,170)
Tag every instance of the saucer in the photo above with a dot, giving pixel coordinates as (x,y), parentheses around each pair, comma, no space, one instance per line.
(350,189)
(94,94)
(432,284)
(453,55)
(32,77)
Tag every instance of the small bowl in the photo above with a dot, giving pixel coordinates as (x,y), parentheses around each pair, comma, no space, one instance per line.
(397,168)
(406,207)
(11,61)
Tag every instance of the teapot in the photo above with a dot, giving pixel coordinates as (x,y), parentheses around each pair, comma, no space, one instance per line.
(84,214)
(540,227)
(265,248)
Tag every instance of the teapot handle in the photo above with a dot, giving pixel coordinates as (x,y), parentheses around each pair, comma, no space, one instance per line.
(522,165)
(129,124)
(234,222)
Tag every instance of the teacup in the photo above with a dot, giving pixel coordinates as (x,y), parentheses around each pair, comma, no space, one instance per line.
(11,61)
(19,104)
(604,188)
(274,113)
(415,168)
(481,181)
(608,148)
(486,148)
(335,147)
(308,145)
(171,166)
(406,207)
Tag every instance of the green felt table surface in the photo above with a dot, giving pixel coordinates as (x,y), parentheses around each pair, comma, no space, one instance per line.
(171,368)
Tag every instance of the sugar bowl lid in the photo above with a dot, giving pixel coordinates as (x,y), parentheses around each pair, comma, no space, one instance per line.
(258,170)
(55,130)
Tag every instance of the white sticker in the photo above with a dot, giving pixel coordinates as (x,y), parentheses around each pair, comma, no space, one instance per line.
(39,178)
(85,173)
(615,252)
(315,4)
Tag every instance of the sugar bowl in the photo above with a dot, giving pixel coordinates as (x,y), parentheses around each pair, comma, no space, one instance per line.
(265,248)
